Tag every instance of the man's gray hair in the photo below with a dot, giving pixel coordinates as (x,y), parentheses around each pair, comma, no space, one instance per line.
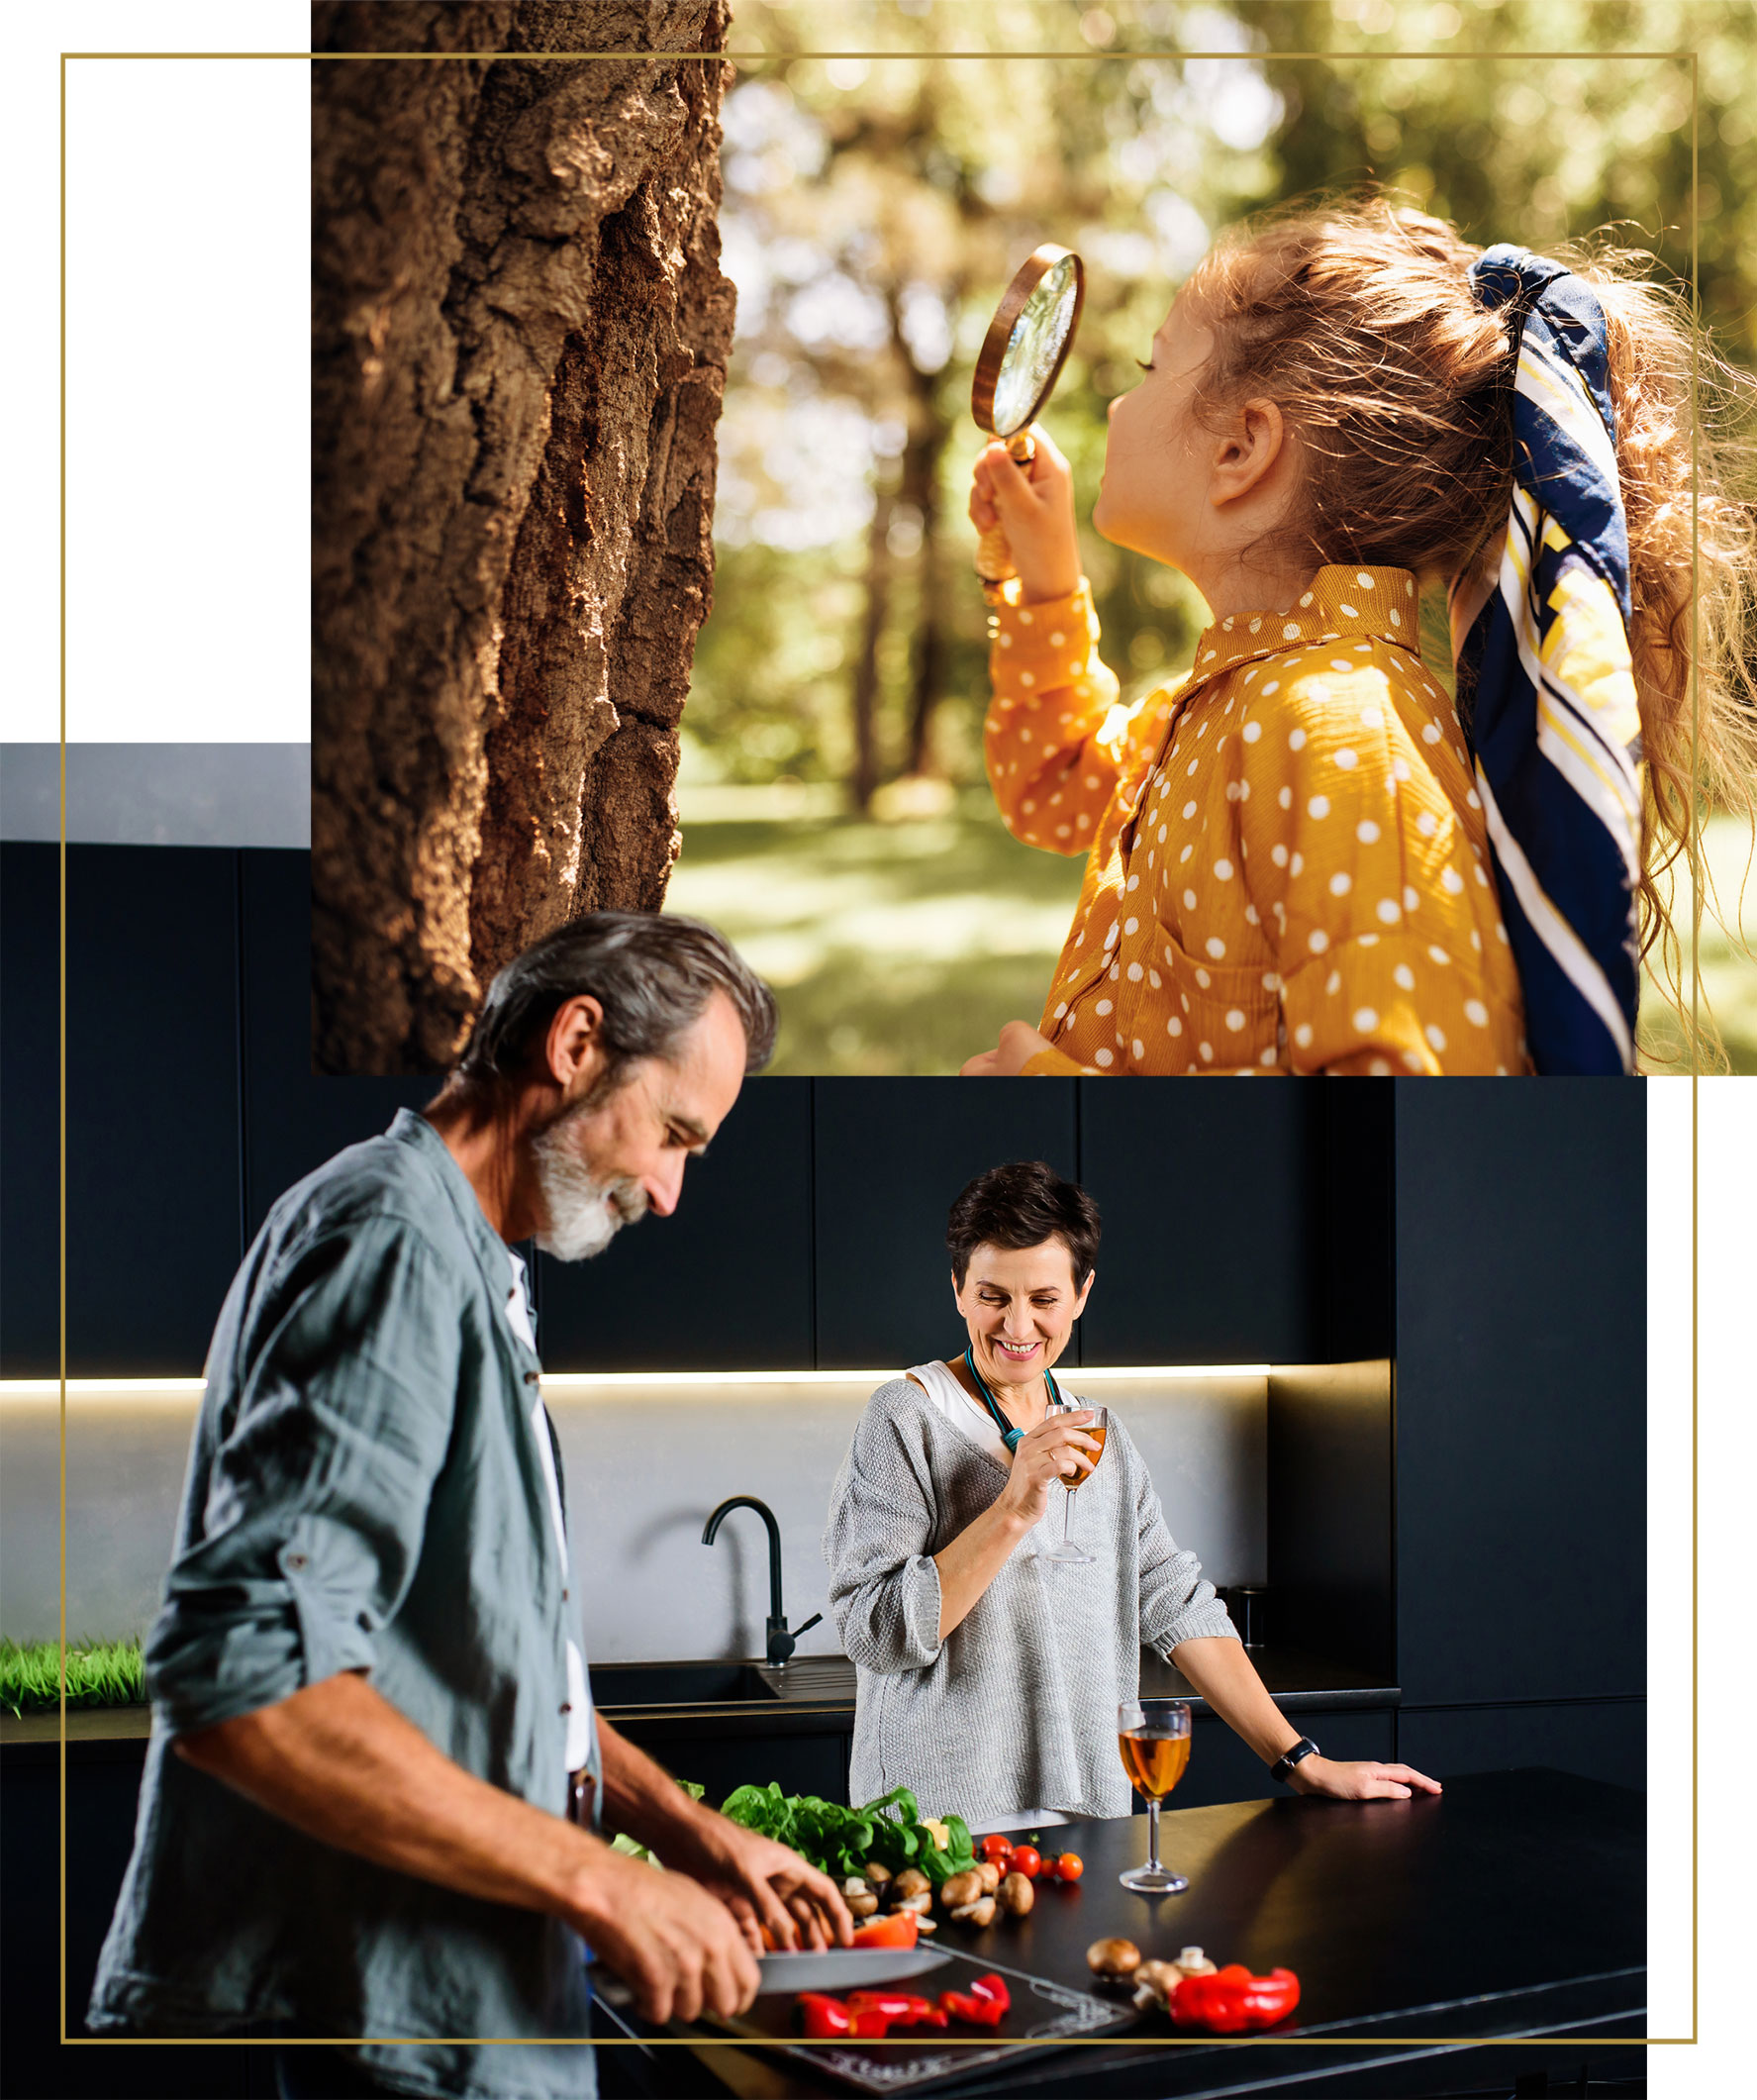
(651,973)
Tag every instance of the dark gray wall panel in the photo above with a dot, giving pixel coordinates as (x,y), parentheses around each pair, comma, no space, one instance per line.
(154,1197)
(722,1285)
(294,1120)
(1212,1208)
(30,1171)
(1598,1740)
(1223,1767)
(891,1155)
(1521,1408)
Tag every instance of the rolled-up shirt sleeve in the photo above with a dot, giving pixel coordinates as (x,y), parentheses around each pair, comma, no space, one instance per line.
(884,1586)
(1177,1601)
(308,1498)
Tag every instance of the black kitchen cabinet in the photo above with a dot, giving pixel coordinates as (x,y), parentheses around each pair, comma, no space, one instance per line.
(154,1193)
(722,1285)
(1599,1738)
(294,1118)
(889,1158)
(30,1182)
(1212,1210)
(1521,1391)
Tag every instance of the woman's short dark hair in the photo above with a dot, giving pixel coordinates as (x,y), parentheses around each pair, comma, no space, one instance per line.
(651,973)
(1022,1204)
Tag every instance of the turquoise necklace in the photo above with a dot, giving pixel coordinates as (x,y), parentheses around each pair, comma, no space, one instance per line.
(1009,1435)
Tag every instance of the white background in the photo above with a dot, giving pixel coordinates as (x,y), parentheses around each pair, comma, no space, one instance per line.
(188,478)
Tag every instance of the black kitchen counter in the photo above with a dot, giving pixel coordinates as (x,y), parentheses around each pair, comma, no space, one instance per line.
(1512,1905)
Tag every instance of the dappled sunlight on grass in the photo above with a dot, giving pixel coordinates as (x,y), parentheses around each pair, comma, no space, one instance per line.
(894,948)
(900,948)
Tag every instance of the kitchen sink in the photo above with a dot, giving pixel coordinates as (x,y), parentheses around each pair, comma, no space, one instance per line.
(622,1684)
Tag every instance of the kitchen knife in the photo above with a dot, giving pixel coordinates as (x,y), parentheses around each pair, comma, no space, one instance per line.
(844,1969)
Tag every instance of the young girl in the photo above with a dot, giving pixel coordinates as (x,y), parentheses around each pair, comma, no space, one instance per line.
(1303,857)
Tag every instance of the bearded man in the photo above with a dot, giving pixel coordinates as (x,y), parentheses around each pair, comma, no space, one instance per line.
(372,1800)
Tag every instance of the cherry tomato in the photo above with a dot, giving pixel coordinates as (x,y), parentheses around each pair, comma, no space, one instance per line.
(1069,1867)
(1028,1861)
(997,1846)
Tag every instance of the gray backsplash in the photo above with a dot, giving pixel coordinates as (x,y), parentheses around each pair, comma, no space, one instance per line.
(647,1461)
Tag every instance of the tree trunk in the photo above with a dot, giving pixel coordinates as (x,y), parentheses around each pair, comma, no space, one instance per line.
(928,438)
(520,342)
(865,778)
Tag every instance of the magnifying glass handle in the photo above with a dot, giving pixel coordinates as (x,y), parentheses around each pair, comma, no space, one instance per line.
(994,558)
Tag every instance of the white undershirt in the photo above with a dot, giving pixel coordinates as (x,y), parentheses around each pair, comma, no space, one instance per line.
(971,1419)
(579,1696)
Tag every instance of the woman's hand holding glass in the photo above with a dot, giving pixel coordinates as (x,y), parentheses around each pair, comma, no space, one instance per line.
(1044,1459)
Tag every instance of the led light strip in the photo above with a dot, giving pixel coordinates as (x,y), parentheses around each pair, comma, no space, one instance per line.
(193,1388)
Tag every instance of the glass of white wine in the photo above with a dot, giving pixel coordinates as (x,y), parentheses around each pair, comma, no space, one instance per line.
(1075,1478)
(1153,1736)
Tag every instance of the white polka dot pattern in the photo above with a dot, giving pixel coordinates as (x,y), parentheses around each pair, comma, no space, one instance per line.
(1302,903)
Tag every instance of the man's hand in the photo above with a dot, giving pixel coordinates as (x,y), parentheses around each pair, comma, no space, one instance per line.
(761,1882)
(1018,1040)
(680,1951)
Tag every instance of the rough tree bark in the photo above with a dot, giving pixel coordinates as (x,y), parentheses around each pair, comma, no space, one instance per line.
(520,335)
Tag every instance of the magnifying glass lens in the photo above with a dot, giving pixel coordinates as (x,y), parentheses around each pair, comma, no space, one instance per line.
(1034,348)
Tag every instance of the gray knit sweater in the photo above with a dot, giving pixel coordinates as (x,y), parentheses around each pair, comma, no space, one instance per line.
(1017,1708)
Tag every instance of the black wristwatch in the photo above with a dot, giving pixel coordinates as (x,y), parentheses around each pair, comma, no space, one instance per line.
(1283,1766)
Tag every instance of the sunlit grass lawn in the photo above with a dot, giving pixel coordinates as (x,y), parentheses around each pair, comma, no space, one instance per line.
(900,948)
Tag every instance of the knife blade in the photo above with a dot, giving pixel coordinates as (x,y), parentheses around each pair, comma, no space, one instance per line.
(840,1968)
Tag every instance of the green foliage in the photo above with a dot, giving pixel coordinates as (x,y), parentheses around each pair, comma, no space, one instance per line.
(99,1673)
(840,1841)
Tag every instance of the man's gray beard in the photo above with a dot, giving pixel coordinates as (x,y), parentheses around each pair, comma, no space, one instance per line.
(581,1214)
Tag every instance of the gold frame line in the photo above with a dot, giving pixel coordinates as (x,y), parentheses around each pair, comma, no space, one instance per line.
(750,61)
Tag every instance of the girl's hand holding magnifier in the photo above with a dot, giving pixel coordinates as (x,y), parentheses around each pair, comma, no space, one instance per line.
(1044,1459)
(1034,507)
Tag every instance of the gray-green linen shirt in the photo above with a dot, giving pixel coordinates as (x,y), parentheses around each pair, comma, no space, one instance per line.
(365,1493)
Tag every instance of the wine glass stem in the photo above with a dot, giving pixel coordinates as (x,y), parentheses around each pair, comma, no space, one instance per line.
(1153,1833)
(1067,1512)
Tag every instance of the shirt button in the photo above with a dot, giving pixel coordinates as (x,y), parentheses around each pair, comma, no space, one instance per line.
(531,1377)
(295,1562)
(566,1707)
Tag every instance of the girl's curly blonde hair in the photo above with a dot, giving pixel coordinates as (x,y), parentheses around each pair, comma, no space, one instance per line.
(1357,318)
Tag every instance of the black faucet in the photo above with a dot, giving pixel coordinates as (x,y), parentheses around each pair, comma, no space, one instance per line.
(781,1642)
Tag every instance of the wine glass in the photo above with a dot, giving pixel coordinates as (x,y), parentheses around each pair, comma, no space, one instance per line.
(1096,1429)
(1153,1736)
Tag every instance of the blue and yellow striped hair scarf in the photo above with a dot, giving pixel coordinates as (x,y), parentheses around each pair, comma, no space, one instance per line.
(1546,683)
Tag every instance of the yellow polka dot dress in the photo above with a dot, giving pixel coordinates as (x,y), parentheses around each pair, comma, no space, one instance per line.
(1288,867)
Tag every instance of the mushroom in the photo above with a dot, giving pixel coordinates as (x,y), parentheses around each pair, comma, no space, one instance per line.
(989,1875)
(877,1872)
(911,1882)
(862,1904)
(1154,1982)
(1192,1962)
(981,1912)
(1017,1895)
(926,1925)
(1114,1959)
(960,1889)
(921,1904)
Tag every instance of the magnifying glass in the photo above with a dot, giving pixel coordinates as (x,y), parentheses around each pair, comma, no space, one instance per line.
(1021,357)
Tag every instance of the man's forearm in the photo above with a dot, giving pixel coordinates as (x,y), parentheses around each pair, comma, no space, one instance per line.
(339,1761)
(639,1795)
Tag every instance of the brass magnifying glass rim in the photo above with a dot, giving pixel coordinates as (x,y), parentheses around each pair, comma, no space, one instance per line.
(1029,274)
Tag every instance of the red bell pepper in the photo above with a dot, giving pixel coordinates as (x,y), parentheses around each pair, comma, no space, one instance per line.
(1231,2001)
(899,2008)
(984,2004)
(827,2019)
(895,1929)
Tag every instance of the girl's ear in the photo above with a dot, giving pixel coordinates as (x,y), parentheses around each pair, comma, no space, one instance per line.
(1247,454)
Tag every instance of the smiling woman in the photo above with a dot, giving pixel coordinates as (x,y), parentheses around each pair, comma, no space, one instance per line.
(989,1660)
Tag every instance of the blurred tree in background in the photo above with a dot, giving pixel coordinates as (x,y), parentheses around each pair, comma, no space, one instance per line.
(875,208)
